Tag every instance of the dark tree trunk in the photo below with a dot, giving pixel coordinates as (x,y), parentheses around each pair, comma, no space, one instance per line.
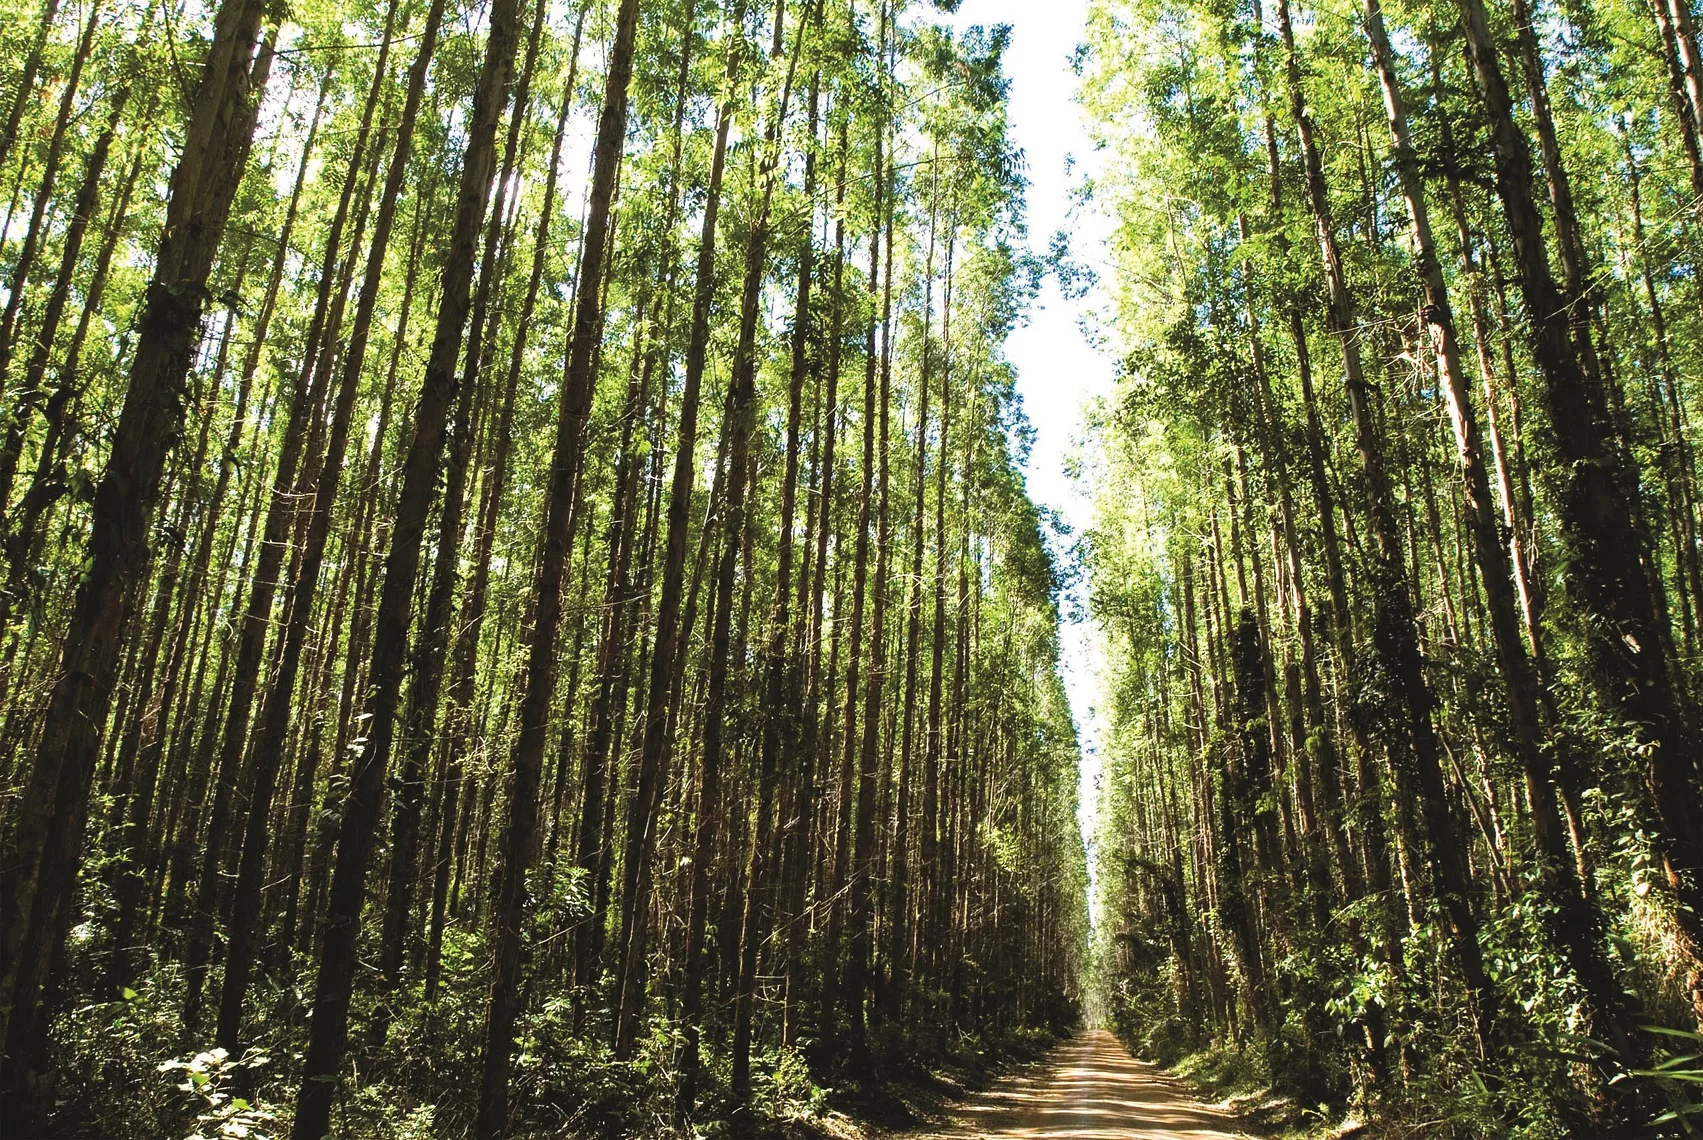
(37,890)
(1572,921)
(1603,545)
(862,885)
(1415,755)
(427,665)
(256,622)
(899,921)
(779,680)
(520,830)
(594,845)
(269,743)
(805,802)
(658,737)
(328,1033)
(24,263)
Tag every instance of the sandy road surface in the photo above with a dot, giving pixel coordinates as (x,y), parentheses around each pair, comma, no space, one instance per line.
(1089,1089)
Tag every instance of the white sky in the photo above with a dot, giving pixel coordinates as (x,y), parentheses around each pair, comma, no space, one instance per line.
(1057,369)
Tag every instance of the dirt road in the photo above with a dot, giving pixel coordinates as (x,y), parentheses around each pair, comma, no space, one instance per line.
(1089,1089)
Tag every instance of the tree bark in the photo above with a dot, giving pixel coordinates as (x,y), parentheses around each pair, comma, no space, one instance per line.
(269,743)
(37,890)
(658,737)
(779,678)
(1573,925)
(1416,755)
(1603,545)
(328,1033)
(520,831)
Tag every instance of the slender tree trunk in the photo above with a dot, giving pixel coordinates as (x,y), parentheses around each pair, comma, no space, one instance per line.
(1394,633)
(329,1029)
(925,951)
(269,742)
(862,909)
(1604,548)
(779,730)
(256,622)
(738,424)
(53,313)
(1574,926)
(49,481)
(595,843)
(899,918)
(24,264)
(26,81)
(36,891)
(833,967)
(658,739)
(812,748)
(520,831)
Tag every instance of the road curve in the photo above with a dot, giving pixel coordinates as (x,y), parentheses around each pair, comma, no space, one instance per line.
(1089,1088)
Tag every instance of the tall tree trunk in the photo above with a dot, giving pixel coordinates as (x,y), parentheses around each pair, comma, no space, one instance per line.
(780,727)
(930,924)
(1572,923)
(898,921)
(594,847)
(37,889)
(328,1033)
(35,370)
(427,664)
(269,743)
(833,966)
(49,482)
(256,622)
(738,425)
(862,885)
(520,831)
(1603,545)
(658,737)
(82,212)
(804,806)
(24,264)
(1394,634)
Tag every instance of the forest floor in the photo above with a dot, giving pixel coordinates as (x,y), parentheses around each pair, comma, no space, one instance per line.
(1088,1088)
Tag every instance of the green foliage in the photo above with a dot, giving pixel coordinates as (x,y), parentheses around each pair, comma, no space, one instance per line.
(1227,471)
(1678,1074)
(209,1079)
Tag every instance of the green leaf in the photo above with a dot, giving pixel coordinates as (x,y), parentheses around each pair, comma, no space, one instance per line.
(1687,1034)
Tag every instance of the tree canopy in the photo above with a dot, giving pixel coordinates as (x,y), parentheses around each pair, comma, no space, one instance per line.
(1395,554)
(521,607)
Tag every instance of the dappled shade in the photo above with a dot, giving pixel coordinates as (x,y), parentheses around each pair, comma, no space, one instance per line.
(1090,1089)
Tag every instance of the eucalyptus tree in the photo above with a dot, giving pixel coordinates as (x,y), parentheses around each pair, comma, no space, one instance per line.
(573,703)
(37,895)
(1440,523)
